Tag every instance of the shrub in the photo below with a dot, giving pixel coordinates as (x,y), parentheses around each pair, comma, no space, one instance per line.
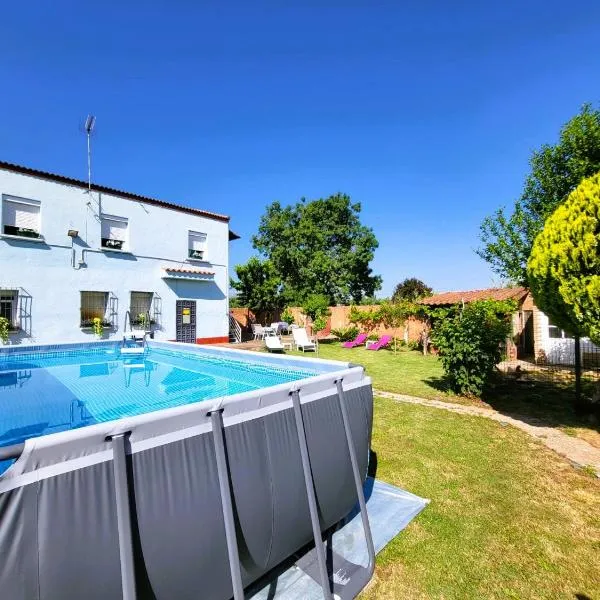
(4,328)
(346,334)
(319,324)
(287,316)
(470,341)
(316,305)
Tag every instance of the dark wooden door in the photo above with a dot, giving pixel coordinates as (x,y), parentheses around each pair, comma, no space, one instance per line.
(185,321)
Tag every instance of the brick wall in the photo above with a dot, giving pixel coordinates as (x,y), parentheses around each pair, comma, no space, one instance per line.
(339,318)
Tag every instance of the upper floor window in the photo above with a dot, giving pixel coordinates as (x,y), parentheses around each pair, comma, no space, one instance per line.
(114,232)
(21,217)
(197,245)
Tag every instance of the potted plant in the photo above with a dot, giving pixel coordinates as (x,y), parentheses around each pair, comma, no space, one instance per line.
(97,326)
(4,329)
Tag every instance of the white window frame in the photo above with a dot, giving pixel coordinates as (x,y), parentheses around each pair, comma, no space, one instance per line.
(563,334)
(202,240)
(23,202)
(124,247)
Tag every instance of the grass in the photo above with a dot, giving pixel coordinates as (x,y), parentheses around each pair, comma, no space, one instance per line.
(411,373)
(508,518)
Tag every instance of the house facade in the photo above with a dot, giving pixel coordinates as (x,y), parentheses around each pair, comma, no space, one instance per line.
(69,255)
(533,335)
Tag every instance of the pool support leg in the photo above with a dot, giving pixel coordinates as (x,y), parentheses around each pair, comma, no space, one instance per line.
(227,505)
(357,478)
(310,492)
(123,517)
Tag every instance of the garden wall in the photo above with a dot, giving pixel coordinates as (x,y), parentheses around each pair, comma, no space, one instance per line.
(339,317)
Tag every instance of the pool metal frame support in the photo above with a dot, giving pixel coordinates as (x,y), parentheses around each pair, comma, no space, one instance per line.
(357,479)
(123,516)
(311,495)
(227,504)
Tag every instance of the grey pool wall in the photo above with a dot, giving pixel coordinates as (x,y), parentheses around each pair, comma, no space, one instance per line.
(59,537)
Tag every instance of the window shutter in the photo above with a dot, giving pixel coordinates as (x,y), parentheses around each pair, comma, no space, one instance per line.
(113,229)
(197,243)
(21,214)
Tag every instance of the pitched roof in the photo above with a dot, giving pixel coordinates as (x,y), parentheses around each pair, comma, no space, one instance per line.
(448,298)
(107,190)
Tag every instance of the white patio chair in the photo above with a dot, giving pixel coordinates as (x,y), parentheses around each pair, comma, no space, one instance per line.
(273,343)
(258,331)
(302,340)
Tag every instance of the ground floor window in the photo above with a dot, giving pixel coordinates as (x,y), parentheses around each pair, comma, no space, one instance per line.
(8,306)
(140,308)
(93,306)
(555,332)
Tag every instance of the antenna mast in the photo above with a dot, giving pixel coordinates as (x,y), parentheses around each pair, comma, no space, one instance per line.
(89,127)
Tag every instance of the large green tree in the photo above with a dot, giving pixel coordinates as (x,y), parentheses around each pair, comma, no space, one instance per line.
(258,286)
(319,247)
(411,289)
(564,266)
(556,170)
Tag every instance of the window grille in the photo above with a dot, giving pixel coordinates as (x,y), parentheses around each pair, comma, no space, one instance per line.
(8,306)
(93,306)
(140,304)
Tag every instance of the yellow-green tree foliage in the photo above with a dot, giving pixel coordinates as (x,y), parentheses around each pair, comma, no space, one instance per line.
(564,265)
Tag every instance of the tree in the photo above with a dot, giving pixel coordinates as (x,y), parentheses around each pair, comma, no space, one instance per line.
(411,289)
(319,247)
(555,172)
(258,286)
(564,266)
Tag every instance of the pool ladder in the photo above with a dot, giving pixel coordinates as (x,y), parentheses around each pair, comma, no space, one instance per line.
(137,336)
(330,589)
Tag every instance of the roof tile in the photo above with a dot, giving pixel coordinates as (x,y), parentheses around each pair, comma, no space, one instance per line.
(449,298)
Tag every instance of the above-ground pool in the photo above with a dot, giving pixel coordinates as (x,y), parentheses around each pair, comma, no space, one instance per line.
(118,467)
(50,391)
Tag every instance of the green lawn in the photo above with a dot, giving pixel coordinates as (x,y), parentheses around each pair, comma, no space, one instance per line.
(508,518)
(406,372)
(409,372)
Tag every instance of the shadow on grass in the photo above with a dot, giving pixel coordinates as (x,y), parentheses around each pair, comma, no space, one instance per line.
(544,403)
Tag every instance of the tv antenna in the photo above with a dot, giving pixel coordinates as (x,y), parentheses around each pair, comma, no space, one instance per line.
(89,127)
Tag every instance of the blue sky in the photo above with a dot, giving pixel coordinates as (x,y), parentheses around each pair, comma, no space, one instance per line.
(425,112)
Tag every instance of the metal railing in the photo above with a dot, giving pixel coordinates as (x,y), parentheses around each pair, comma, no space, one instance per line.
(235,329)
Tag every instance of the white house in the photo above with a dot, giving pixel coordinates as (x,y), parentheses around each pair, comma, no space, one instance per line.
(69,255)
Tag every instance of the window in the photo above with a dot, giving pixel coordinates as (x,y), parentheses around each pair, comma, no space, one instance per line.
(196,245)
(93,306)
(140,306)
(20,217)
(555,332)
(8,306)
(114,232)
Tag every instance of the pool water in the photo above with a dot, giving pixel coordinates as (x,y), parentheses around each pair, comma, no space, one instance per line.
(48,392)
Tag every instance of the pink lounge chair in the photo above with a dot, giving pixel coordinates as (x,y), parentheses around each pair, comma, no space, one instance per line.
(382,342)
(358,341)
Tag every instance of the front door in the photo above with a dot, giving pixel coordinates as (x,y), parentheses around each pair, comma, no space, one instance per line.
(185,321)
